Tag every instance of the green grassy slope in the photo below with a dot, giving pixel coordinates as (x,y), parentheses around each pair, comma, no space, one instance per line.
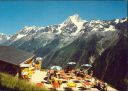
(10,83)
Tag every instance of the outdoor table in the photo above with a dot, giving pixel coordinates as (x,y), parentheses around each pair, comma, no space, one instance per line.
(87,84)
(71,84)
(76,81)
(64,81)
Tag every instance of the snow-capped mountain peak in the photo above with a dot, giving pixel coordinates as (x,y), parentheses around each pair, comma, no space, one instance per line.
(73,23)
(74,19)
(2,34)
(29,28)
(121,20)
(4,37)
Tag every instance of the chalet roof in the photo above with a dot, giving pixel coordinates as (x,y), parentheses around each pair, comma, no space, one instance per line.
(14,56)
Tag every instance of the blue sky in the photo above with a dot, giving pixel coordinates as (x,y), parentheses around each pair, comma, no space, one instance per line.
(14,15)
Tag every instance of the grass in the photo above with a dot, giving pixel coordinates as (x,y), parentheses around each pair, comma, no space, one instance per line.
(13,83)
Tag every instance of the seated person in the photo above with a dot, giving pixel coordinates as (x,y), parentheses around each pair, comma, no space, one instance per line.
(55,83)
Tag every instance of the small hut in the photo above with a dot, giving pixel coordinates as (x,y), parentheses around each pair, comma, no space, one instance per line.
(13,60)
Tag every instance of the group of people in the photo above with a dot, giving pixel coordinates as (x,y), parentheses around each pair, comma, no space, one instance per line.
(101,85)
(54,76)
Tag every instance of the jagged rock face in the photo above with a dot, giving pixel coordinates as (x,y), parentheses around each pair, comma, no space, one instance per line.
(112,64)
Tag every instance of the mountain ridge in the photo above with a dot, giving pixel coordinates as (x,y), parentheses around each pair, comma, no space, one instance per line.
(65,33)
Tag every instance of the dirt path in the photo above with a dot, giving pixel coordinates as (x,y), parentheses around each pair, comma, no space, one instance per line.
(38,76)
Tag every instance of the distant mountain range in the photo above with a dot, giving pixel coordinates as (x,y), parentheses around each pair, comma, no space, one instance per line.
(102,43)
(73,32)
(4,38)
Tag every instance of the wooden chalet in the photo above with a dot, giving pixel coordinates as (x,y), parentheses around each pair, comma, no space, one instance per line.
(13,60)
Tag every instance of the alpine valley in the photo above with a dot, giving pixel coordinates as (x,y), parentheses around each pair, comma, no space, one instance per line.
(102,43)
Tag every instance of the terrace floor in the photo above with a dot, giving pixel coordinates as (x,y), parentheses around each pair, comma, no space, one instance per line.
(39,76)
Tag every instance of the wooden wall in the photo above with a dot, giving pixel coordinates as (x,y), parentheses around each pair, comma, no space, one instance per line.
(9,68)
